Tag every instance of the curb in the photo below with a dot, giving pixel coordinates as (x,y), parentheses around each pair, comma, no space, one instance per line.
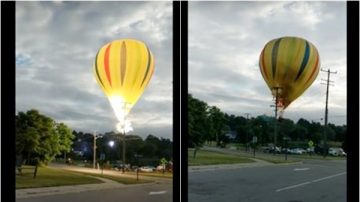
(236,166)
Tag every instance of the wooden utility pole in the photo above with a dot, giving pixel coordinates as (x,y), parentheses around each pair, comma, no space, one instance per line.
(247,139)
(326,106)
(277,92)
(94,148)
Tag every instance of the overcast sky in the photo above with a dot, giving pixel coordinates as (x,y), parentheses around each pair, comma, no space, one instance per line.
(225,42)
(56,44)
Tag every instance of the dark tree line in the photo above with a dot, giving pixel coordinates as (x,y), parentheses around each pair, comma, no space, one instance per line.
(138,151)
(39,138)
(208,123)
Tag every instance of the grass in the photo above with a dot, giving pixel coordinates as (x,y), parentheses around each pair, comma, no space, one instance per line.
(48,177)
(210,158)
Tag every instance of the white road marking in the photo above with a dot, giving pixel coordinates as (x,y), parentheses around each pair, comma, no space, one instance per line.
(156,192)
(309,182)
(301,169)
(331,176)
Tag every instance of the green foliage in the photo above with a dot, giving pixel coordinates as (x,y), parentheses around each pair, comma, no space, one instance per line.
(208,123)
(38,136)
(217,127)
(137,150)
(198,124)
(65,137)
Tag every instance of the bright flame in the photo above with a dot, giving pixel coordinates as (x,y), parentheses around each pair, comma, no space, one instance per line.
(121,109)
(119,106)
(121,126)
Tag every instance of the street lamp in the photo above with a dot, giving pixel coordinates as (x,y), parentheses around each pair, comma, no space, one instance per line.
(111,143)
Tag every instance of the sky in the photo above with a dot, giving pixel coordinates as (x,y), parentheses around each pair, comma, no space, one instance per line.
(225,42)
(56,44)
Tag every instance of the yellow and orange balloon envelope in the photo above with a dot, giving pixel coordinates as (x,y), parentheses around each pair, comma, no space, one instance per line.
(123,69)
(290,64)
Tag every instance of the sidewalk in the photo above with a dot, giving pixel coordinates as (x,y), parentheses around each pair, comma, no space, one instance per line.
(106,172)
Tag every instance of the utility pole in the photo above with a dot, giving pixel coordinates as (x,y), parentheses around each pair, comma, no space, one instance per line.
(94,153)
(247,139)
(277,93)
(326,105)
(123,170)
(94,147)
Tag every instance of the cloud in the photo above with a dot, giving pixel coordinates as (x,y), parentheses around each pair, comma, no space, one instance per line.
(56,43)
(225,41)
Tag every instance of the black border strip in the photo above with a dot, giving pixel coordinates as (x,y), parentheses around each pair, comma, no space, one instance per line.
(8,60)
(176,101)
(352,136)
(184,100)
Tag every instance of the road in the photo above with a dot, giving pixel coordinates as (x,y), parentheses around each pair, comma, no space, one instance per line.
(161,191)
(311,181)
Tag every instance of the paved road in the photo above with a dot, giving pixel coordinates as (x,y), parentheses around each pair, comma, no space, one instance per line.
(311,181)
(155,192)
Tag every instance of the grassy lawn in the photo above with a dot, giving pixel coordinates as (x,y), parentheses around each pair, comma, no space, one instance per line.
(48,177)
(211,158)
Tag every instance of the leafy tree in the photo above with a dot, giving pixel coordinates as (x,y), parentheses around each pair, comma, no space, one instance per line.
(38,136)
(299,133)
(205,124)
(217,124)
(65,136)
(197,123)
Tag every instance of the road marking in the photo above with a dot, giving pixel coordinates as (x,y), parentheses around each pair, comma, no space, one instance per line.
(157,192)
(309,182)
(301,169)
(331,176)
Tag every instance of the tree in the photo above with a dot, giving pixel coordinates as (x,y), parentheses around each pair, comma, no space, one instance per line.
(66,137)
(197,123)
(217,124)
(38,136)
(299,133)
(285,128)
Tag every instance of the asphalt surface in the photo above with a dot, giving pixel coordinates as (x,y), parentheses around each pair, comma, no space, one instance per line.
(311,181)
(154,192)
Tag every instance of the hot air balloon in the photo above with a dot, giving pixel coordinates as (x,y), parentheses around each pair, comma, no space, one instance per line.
(289,65)
(123,69)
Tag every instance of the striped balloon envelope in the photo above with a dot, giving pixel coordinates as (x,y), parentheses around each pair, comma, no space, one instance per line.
(123,69)
(290,64)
